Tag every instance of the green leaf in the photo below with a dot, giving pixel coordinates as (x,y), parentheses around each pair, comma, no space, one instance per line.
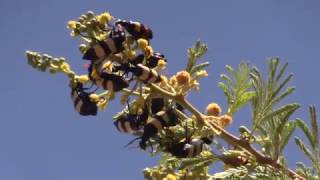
(185,163)
(231,71)
(277,99)
(227,79)
(304,149)
(283,69)
(286,134)
(194,53)
(244,99)
(285,117)
(303,126)
(231,172)
(282,85)
(199,67)
(236,88)
(283,109)
(226,92)
(314,126)
(273,65)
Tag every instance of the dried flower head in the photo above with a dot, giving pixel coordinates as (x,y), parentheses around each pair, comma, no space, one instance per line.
(225,120)
(183,77)
(213,109)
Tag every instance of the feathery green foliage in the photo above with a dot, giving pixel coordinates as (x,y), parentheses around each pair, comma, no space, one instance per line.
(237,88)
(312,152)
(272,122)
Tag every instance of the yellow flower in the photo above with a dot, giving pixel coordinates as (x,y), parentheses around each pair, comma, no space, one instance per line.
(72,25)
(104,18)
(171,177)
(162,64)
(94,98)
(183,77)
(83,78)
(142,43)
(213,109)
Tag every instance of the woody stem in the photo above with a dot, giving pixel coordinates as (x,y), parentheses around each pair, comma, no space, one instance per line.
(230,138)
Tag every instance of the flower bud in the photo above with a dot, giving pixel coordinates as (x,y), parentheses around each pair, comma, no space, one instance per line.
(161,64)
(90,14)
(72,25)
(213,109)
(65,67)
(225,120)
(142,43)
(83,48)
(82,78)
(183,77)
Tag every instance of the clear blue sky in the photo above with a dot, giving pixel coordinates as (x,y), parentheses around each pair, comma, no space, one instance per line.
(42,137)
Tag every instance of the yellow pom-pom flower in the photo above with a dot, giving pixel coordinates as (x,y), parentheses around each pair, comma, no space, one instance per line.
(213,109)
(183,78)
(225,120)
(142,43)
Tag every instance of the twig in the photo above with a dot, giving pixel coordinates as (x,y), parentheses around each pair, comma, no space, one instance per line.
(230,138)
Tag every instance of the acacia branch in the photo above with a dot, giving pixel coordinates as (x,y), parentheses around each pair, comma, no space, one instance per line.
(227,136)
